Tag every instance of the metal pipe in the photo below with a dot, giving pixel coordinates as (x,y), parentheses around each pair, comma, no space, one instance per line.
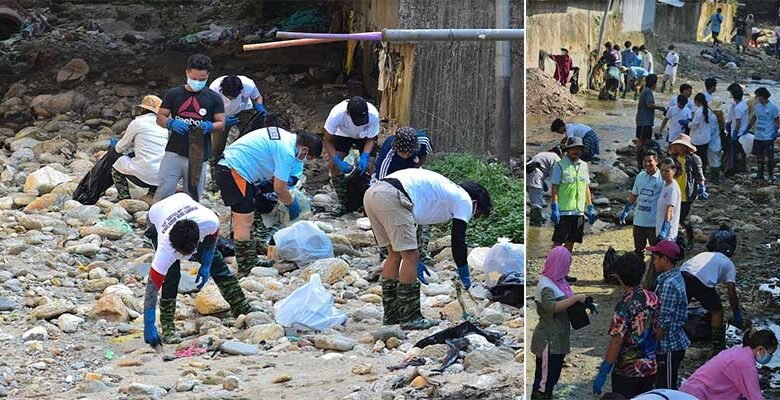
(342,36)
(424,35)
(287,43)
(503,139)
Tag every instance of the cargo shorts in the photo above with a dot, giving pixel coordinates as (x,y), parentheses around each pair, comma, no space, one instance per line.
(390,213)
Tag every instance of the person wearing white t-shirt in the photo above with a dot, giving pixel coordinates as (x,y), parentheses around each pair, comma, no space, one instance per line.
(644,195)
(667,217)
(647,59)
(144,142)
(256,173)
(582,131)
(395,205)
(701,127)
(180,228)
(739,121)
(678,118)
(672,61)
(351,123)
(686,91)
(705,271)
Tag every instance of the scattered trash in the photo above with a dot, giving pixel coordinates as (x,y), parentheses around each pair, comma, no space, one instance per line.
(459,289)
(509,290)
(454,347)
(504,257)
(411,361)
(304,21)
(311,306)
(459,331)
(126,338)
(117,224)
(109,355)
(302,243)
(192,350)
(214,34)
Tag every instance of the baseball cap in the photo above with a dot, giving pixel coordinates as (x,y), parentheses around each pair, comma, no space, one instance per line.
(667,248)
(357,108)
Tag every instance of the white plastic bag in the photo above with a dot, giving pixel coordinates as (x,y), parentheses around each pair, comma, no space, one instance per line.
(311,306)
(302,243)
(503,257)
(746,141)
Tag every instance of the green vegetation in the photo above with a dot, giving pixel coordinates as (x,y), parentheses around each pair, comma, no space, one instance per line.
(506,193)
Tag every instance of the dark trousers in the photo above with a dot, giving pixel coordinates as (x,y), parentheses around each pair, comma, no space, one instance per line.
(630,387)
(668,365)
(548,371)
(701,151)
(643,237)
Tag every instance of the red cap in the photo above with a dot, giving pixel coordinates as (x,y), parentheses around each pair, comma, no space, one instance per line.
(667,248)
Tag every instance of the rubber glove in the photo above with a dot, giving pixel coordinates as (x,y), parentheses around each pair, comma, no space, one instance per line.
(737,318)
(544,186)
(665,230)
(555,215)
(112,143)
(207,126)
(180,127)
(683,122)
(465,275)
(231,121)
(591,213)
(259,107)
(363,162)
(295,209)
(703,192)
(292,181)
(343,166)
(601,378)
(626,209)
(151,336)
(422,272)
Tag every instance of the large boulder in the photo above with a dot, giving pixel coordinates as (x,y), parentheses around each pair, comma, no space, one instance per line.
(44,180)
(111,308)
(47,105)
(209,301)
(75,69)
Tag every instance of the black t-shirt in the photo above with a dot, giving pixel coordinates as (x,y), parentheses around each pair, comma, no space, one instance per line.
(192,108)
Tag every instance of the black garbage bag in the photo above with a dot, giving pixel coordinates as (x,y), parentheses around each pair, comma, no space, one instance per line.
(459,331)
(98,180)
(609,267)
(357,184)
(509,290)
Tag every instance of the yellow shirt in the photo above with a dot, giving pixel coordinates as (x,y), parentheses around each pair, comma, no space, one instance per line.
(681,178)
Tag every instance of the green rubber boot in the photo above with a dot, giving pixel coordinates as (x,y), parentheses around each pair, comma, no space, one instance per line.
(390,302)
(423,238)
(121,185)
(167,312)
(409,307)
(234,295)
(246,256)
(339,184)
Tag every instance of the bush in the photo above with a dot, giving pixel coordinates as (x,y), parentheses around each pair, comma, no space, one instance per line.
(506,193)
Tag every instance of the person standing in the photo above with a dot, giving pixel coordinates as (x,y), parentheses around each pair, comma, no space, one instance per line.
(680,116)
(627,56)
(586,133)
(645,116)
(750,25)
(667,218)
(717,124)
(738,123)
(351,123)
(563,64)
(145,142)
(690,179)
(395,205)
(571,199)
(715,22)
(765,123)
(670,72)
(538,170)
(672,341)
(647,59)
(630,355)
(740,35)
(776,32)
(701,127)
(183,108)
(550,341)
(644,195)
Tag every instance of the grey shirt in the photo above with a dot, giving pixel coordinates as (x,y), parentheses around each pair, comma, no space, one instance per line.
(544,162)
(644,114)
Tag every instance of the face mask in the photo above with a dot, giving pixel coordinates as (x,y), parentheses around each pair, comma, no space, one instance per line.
(195,84)
(765,359)
(303,159)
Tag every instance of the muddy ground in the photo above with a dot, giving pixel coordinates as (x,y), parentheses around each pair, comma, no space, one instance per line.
(744,205)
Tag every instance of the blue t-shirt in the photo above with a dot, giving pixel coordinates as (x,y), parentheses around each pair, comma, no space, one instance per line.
(629,59)
(388,161)
(715,20)
(765,121)
(647,188)
(264,154)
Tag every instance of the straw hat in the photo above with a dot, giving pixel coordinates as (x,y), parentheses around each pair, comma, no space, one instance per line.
(151,102)
(684,140)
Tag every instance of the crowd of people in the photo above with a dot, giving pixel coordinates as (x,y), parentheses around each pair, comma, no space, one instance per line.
(256,167)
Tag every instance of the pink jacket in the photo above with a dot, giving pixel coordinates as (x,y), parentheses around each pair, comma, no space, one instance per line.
(730,375)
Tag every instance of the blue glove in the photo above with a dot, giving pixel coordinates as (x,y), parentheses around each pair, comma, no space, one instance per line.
(259,107)
(150,330)
(601,378)
(422,272)
(555,215)
(703,192)
(204,272)
(737,319)
(112,143)
(544,187)
(207,126)
(684,122)
(295,209)
(292,181)
(231,121)
(465,275)
(343,166)
(363,162)
(665,230)
(180,127)
(626,209)
(591,213)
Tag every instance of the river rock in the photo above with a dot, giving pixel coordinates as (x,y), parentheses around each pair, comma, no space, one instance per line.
(75,69)
(91,387)
(436,352)
(146,390)
(252,285)
(359,239)
(23,143)
(42,202)
(6,304)
(134,206)
(478,359)
(37,222)
(262,333)
(331,270)
(44,180)
(47,105)
(230,382)
(99,285)
(36,333)
(333,342)
(108,232)
(85,249)
(69,323)
(387,332)
(209,301)
(111,308)
(86,215)
(52,309)
(239,348)
(367,313)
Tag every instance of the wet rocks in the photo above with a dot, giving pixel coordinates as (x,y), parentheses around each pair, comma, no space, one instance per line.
(52,309)
(111,308)
(209,301)
(333,342)
(76,69)
(238,348)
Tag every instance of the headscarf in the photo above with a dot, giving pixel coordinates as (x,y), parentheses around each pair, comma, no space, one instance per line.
(406,140)
(557,266)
